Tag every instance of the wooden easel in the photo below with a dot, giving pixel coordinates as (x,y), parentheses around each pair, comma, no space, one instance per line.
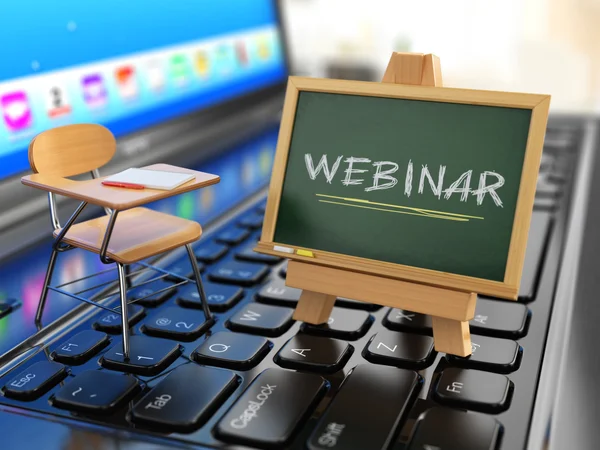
(450,310)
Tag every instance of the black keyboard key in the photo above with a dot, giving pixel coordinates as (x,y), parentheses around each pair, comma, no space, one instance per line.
(253,221)
(277,293)
(111,322)
(7,306)
(546,187)
(283,271)
(319,354)
(342,324)
(96,391)
(401,320)
(35,381)
(539,233)
(545,205)
(392,348)
(547,163)
(247,253)
(221,297)
(177,323)
(357,417)
(182,268)
(232,236)
(490,354)
(186,398)
(5,309)
(261,319)
(501,319)
(558,141)
(210,252)
(145,294)
(474,390)
(241,273)
(147,356)
(449,429)
(356,304)
(232,350)
(80,348)
(272,408)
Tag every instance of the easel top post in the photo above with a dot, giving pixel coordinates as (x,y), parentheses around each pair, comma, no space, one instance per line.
(414,68)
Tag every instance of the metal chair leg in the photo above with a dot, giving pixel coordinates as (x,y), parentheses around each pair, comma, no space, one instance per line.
(199,285)
(124,311)
(128,283)
(47,280)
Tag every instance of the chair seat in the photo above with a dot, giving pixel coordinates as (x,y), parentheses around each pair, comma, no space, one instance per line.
(138,234)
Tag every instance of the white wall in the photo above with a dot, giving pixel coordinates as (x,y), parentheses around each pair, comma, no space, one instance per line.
(483,44)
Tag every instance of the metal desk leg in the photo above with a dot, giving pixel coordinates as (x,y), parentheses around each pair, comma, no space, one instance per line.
(205,308)
(47,280)
(124,311)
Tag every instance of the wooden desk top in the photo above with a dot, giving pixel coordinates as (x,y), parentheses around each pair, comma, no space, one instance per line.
(94,192)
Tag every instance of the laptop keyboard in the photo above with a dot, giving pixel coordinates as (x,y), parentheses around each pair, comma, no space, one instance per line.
(368,379)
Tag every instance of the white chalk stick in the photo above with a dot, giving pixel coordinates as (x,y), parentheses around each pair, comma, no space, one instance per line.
(279,248)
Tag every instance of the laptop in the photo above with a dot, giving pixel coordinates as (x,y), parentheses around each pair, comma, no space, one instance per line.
(201,84)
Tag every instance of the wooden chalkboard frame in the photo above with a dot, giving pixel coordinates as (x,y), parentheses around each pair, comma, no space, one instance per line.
(509,287)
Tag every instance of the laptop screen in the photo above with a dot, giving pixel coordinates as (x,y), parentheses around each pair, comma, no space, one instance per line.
(127,65)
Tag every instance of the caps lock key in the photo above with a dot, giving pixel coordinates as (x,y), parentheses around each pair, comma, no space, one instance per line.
(271,409)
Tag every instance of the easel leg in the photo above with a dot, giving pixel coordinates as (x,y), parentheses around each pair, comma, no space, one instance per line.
(451,336)
(314,307)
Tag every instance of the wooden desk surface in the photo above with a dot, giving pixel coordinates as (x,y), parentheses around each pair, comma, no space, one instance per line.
(94,192)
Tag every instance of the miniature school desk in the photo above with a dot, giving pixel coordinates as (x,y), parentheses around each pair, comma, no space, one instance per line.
(138,234)
(413,197)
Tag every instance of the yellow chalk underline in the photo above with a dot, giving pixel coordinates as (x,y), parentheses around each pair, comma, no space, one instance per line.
(432,216)
(416,211)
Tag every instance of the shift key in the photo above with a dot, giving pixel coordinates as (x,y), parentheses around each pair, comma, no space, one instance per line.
(272,408)
(344,427)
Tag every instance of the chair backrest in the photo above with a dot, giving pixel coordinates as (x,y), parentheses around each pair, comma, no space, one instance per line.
(71,149)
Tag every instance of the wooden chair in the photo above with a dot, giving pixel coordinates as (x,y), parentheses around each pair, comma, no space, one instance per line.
(140,233)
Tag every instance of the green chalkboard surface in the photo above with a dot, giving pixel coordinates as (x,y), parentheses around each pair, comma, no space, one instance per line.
(426,184)
(459,138)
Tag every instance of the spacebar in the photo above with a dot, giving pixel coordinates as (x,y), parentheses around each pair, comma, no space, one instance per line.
(382,396)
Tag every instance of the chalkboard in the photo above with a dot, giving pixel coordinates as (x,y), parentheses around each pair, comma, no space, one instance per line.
(408,181)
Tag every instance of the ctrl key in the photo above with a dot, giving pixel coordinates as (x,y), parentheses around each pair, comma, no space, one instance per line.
(272,408)
(450,429)
(35,381)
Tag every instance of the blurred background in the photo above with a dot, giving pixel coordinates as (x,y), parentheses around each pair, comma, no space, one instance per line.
(540,46)
(201,84)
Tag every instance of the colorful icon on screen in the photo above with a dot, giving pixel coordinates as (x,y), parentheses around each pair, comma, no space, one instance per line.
(207,198)
(264,49)
(180,70)
(94,91)
(57,102)
(224,59)
(155,76)
(242,53)
(202,63)
(16,111)
(266,159)
(126,82)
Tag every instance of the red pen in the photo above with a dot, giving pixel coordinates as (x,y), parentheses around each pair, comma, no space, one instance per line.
(123,185)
